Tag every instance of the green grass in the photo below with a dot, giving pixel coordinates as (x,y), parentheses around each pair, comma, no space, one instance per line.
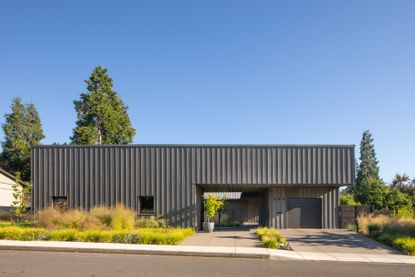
(270,237)
(161,236)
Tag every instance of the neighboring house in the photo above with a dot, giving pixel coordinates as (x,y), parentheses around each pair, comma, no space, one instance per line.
(285,186)
(7,181)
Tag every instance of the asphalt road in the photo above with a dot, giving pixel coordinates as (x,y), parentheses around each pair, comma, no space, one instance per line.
(24,263)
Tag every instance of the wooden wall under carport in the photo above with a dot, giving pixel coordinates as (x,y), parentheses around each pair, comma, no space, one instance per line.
(277,199)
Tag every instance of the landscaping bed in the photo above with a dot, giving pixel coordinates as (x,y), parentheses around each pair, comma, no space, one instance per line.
(102,224)
(271,238)
(395,232)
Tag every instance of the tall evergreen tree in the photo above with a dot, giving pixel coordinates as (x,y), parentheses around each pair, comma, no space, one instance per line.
(22,130)
(368,187)
(102,115)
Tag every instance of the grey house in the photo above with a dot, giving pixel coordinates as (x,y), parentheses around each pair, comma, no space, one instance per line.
(283,186)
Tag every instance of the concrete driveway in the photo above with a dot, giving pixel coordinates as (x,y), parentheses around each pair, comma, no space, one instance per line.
(233,237)
(333,241)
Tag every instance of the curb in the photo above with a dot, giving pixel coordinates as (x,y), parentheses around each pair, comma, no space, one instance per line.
(134,251)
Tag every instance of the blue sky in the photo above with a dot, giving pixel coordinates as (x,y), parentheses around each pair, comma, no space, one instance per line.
(223,71)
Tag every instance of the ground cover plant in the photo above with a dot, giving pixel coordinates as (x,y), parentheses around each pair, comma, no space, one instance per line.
(101,224)
(271,238)
(397,232)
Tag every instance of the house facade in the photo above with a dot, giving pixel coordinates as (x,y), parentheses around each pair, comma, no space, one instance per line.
(283,186)
(7,181)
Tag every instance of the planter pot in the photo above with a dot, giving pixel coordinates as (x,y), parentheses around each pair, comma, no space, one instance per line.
(208,226)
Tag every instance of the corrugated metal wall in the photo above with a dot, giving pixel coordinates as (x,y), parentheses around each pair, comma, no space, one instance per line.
(93,175)
(277,198)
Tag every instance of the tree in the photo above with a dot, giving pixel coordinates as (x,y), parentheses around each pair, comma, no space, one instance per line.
(368,180)
(102,115)
(397,200)
(212,205)
(22,130)
(18,207)
(404,184)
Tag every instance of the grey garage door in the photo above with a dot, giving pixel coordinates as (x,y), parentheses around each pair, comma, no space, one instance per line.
(304,212)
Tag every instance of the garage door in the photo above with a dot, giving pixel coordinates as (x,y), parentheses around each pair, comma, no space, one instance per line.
(304,212)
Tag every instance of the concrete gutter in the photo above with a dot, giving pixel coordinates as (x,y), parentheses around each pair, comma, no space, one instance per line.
(204,251)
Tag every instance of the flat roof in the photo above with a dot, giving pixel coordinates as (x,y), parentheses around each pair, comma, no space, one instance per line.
(195,145)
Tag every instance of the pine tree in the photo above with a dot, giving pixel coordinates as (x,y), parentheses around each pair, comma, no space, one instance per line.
(102,115)
(22,130)
(368,188)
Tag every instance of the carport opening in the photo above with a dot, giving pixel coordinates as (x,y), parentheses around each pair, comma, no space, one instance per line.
(241,209)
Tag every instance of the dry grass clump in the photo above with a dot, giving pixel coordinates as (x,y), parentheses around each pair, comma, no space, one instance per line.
(393,231)
(100,218)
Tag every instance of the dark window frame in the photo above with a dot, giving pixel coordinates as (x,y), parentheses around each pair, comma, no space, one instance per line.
(140,199)
(54,198)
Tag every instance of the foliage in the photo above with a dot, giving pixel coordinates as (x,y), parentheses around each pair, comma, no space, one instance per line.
(122,218)
(393,231)
(102,115)
(368,187)
(100,218)
(22,130)
(151,222)
(347,199)
(270,237)
(18,209)
(404,184)
(212,205)
(162,236)
(396,200)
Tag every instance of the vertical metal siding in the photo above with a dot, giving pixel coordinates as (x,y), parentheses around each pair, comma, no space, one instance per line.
(278,204)
(94,175)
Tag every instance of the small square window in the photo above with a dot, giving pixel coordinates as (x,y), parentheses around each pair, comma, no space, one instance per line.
(146,205)
(60,203)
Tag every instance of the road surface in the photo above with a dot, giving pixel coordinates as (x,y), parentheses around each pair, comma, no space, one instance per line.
(27,263)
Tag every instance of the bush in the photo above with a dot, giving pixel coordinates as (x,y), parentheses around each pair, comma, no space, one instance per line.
(94,236)
(103,214)
(17,233)
(406,244)
(151,222)
(124,237)
(64,235)
(398,232)
(99,218)
(347,199)
(122,219)
(270,237)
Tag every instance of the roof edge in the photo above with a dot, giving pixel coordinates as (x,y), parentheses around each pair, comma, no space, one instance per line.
(193,145)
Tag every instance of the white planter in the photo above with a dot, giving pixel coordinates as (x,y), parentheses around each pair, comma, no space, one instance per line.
(208,226)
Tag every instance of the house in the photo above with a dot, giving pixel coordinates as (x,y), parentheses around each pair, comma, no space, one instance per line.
(7,181)
(286,186)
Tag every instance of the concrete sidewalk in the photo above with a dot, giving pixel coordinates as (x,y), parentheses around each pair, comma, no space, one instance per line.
(207,251)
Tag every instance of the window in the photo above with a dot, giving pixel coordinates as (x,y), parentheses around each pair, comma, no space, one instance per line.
(60,203)
(146,204)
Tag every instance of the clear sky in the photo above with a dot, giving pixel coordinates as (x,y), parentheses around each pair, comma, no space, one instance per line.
(223,71)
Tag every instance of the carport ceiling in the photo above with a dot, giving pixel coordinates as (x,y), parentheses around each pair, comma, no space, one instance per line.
(232,187)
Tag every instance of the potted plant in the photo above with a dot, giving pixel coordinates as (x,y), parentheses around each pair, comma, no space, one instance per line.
(212,204)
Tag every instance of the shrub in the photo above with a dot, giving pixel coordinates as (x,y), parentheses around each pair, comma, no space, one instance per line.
(124,237)
(64,235)
(122,219)
(94,236)
(212,205)
(103,214)
(347,199)
(151,222)
(16,233)
(270,237)
(406,244)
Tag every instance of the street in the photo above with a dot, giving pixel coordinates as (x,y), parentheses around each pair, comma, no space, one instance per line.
(27,263)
